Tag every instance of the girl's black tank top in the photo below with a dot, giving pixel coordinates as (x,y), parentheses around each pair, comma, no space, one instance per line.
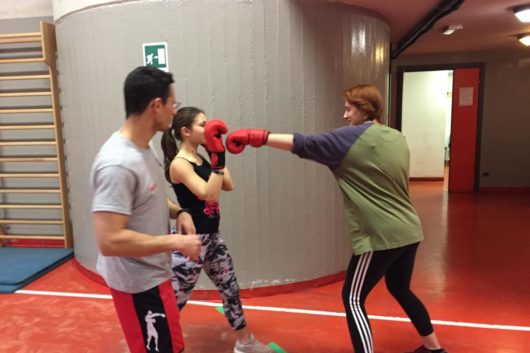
(205,214)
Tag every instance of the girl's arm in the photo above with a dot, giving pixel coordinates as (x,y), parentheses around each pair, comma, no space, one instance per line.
(181,171)
(228,184)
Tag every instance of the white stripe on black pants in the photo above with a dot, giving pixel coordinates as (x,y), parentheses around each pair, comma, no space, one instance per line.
(364,271)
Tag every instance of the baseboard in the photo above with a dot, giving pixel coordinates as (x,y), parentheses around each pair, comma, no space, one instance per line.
(89,274)
(505,189)
(246,293)
(426,179)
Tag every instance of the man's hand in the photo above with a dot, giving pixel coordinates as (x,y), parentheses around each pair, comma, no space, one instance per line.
(188,245)
(185,224)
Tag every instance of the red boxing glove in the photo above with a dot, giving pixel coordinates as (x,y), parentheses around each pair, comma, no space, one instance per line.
(237,140)
(213,131)
(212,134)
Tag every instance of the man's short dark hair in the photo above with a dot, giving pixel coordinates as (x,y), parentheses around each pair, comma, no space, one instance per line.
(142,85)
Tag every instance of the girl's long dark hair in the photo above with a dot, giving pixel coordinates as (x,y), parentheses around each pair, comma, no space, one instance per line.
(184,118)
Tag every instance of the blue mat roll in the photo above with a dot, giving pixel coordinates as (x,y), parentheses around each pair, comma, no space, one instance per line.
(21,266)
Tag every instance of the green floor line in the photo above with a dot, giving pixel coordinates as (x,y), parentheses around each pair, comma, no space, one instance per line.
(220,309)
(276,348)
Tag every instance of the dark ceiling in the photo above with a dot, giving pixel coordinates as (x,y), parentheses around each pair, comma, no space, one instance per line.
(488,24)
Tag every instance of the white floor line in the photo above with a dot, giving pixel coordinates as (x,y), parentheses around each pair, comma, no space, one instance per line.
(64,294)
(288,310)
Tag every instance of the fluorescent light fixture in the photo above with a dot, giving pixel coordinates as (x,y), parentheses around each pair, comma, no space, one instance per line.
(525,39)
(450,29)
(522,13)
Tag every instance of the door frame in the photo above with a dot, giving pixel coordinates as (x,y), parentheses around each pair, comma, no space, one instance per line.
(438,67)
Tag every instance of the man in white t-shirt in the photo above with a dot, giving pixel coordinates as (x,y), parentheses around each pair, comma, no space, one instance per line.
(131,215)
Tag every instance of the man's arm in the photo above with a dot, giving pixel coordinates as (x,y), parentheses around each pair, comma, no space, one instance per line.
(173,208)
(114,239)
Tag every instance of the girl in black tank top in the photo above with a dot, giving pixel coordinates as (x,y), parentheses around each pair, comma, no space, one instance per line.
(205,214)
(197,189)
(195,186)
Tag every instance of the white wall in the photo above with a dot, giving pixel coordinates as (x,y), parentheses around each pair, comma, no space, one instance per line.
(276,64)
(504,142)
(448,113)
(64,7)
(423,121)
(10,9)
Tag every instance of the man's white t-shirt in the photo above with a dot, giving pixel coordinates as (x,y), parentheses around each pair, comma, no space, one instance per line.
(129,180)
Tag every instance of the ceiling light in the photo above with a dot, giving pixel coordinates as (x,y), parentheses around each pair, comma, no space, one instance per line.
(450,29)
(525,39)
(522,13)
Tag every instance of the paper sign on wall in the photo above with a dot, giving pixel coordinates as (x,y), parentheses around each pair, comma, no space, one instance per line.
(155,54)
(465,96)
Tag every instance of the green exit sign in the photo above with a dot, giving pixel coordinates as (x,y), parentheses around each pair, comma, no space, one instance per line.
(155,54)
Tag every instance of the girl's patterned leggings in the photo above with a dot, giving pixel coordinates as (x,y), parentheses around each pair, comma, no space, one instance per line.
(217,263)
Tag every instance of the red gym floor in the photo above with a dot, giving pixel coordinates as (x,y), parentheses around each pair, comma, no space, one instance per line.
(472,272)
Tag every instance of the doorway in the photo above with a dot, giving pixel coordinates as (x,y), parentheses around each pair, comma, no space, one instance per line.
(438,111)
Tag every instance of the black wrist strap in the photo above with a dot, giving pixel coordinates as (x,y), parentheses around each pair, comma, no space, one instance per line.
(182,210)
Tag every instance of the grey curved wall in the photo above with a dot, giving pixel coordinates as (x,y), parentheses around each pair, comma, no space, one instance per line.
(280,65)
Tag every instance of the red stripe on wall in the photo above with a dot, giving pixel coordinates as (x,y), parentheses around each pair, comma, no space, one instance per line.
(266,291)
